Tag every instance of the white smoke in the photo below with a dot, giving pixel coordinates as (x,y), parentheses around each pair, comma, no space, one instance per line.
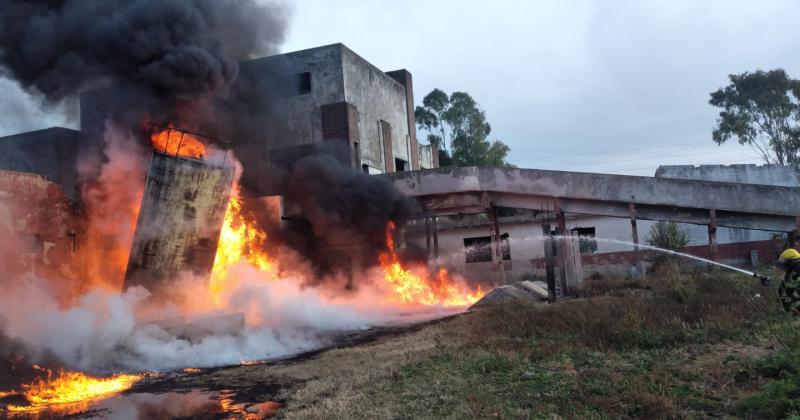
(101,332)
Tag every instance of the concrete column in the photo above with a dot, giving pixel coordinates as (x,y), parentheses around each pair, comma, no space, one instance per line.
(795,234)
(497,244)
(577,265)
(405,79)
(713,250)
(435,237)
(562,252)
(635,239)
(428,235)
(549,268)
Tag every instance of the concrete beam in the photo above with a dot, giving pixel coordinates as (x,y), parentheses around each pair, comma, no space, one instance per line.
(471,203)
(690,194)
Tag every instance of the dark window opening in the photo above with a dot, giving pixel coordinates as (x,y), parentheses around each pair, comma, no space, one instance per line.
(586,241)
(365,168)
(400,165)
(356,155)
(480,249)
(304,83)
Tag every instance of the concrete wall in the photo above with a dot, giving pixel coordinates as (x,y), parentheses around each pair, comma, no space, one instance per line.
(52,153)
(426,156)
(40,229)
(299,112)
(614,250)
(779,175)
(377,97)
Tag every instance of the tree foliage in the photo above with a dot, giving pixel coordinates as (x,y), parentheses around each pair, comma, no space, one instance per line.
(761,109)
(665,235)
(459,122)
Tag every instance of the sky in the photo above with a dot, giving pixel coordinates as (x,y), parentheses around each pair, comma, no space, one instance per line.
(594,86)
(584,85)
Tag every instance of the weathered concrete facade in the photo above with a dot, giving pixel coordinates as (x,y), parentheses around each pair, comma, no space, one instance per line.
(40,227)
(730,222)
(779,175)
(179,223)
(331,94)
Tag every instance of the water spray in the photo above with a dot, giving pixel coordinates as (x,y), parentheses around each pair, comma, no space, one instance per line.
(761,277)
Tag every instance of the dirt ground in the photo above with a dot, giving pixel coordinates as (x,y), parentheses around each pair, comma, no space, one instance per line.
(710,345)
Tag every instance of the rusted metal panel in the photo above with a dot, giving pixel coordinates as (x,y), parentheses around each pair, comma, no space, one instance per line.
(181,217)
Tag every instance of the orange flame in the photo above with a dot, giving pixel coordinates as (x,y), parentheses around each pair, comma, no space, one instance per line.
(418,285)
(71,387)
(240,240)
(178,143)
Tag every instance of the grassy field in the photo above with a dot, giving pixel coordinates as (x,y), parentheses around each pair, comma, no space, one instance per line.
(678,346)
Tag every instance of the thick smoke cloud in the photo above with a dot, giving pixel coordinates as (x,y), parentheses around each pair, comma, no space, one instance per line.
(341,208)
(174,48)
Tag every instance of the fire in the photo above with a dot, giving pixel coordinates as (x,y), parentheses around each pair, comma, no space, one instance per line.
(418,285)
(71,387)
(240,240)
(251,362)
(178,143)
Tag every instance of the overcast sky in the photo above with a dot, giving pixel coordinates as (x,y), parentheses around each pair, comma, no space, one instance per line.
(596,86)
(567,83)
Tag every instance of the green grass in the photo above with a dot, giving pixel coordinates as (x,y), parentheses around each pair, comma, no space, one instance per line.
(699,346)
(671,352)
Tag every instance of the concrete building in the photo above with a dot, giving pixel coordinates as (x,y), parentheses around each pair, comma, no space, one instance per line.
(605,244)
(330,94)
(51,153)
(321,95)
(306,98)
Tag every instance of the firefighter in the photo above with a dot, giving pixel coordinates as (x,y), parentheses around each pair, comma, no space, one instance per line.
(789,290)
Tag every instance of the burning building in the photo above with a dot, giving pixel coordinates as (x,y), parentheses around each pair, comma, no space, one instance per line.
(327,95)
(121,204)
(322,98)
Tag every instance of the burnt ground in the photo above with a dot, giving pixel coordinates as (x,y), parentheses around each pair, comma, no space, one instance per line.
(241,385)
(248,383)
(696,346)
(677,346)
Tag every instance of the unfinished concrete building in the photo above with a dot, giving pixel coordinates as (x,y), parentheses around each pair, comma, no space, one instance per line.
(312,97)
(330,94)
(603,217)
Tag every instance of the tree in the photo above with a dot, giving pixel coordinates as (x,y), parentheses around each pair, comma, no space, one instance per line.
(761,109)
(665,235)
(462,118)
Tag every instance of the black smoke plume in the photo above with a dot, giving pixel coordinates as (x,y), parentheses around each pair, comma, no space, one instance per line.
(161,56)
(344,212)
(176,61)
